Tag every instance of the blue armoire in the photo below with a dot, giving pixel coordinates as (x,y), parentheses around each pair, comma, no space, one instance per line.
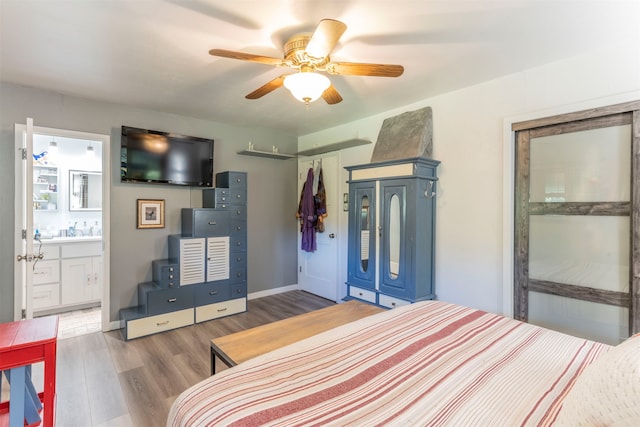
(392,209)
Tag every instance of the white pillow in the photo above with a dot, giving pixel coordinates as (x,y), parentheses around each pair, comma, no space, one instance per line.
(608,391)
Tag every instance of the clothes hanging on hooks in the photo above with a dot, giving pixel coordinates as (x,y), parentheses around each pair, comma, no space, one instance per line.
(320,203)
(306,215)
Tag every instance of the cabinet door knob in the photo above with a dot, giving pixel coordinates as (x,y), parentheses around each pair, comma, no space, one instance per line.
(212,223)
(172,300)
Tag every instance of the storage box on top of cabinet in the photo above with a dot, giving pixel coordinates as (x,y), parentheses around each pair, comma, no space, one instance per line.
(232,179)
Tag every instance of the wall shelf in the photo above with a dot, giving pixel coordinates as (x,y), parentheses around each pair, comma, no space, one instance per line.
(268,154)
(334,147)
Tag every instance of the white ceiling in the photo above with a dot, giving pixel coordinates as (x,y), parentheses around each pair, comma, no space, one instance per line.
(153,54)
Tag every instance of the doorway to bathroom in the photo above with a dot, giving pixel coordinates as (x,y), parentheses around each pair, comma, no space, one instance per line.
(62,222)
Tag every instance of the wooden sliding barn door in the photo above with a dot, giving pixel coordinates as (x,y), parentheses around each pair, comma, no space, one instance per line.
(577,222)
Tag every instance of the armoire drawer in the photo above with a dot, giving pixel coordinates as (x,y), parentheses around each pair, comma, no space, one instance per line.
(209,293)
(391,302)
(237,258)
(162,322)
(203,222)
(362,294)
(238,212)
(238,243)
(237,196)
(238,273)
(163,300)
(238,227)
(221,309)
(238,290)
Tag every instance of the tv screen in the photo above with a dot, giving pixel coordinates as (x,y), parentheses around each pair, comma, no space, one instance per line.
(165,158)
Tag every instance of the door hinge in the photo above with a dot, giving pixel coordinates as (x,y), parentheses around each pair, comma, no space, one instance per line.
(300,269)
(24,313)
(24,234)
(24,153)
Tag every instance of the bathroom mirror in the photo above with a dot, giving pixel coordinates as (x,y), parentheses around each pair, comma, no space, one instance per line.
(85,191)
(364,233)
(394,236)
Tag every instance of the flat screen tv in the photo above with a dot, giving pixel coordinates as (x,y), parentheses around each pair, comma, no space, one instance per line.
(148,156)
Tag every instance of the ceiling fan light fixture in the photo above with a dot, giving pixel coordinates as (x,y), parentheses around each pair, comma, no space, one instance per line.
(306,86)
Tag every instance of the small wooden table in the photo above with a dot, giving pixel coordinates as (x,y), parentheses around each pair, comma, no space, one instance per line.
(22,344)
(241,346)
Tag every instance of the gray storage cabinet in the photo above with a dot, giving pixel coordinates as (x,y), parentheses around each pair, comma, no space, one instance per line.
(205,276)
(391,240)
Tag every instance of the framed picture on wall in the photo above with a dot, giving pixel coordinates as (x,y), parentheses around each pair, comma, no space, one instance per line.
(150,213)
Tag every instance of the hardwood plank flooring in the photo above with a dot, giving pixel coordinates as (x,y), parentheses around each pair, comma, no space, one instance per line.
(104,381)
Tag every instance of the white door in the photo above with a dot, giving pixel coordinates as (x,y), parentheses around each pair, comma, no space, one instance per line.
(318,270)
(24,261)
(25,198)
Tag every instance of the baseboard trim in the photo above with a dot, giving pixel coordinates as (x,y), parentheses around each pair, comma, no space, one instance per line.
(273,291)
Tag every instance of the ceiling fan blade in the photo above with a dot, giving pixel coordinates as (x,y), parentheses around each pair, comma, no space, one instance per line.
(331,95)
(361,69)
(267,88)
(325,37)
(246,56)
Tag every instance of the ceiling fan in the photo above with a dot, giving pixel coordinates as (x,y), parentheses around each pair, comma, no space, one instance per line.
(309,54)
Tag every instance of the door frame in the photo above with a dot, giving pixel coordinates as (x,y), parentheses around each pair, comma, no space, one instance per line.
(303,164)
(105,140)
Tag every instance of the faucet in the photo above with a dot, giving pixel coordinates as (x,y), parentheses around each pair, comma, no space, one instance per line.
(72,229)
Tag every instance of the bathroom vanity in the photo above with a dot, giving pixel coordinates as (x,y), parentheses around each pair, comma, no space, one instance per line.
(75,262)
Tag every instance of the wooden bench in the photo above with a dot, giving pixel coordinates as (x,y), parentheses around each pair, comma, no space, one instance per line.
(241,346)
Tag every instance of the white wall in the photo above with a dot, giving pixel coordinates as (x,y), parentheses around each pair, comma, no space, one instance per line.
(474,200)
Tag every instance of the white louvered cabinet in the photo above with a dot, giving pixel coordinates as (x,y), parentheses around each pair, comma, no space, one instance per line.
(217,258)
(189,253)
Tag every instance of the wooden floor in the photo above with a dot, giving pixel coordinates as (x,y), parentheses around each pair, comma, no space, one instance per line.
(105,381)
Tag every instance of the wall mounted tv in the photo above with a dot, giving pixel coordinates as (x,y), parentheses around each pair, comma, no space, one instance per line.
(148,156)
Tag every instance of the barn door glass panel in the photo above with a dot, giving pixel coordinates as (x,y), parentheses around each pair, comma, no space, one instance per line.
(576,235)
(586,166)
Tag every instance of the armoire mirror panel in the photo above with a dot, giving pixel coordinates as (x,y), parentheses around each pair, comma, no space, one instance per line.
(394,237)
(585,166)
(365,230)
(590,251)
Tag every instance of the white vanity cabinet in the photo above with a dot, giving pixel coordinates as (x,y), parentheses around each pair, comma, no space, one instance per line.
(46,278)
(69,274)
(81,270)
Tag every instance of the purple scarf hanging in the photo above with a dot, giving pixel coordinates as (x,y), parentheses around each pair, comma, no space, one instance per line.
(307,215)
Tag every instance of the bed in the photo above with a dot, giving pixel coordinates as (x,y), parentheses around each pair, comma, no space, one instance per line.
(429,363)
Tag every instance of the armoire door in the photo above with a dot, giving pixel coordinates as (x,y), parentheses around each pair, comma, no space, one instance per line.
(395,244)
(363,231)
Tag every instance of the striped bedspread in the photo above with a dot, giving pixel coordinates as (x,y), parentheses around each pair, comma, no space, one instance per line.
(429,363)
